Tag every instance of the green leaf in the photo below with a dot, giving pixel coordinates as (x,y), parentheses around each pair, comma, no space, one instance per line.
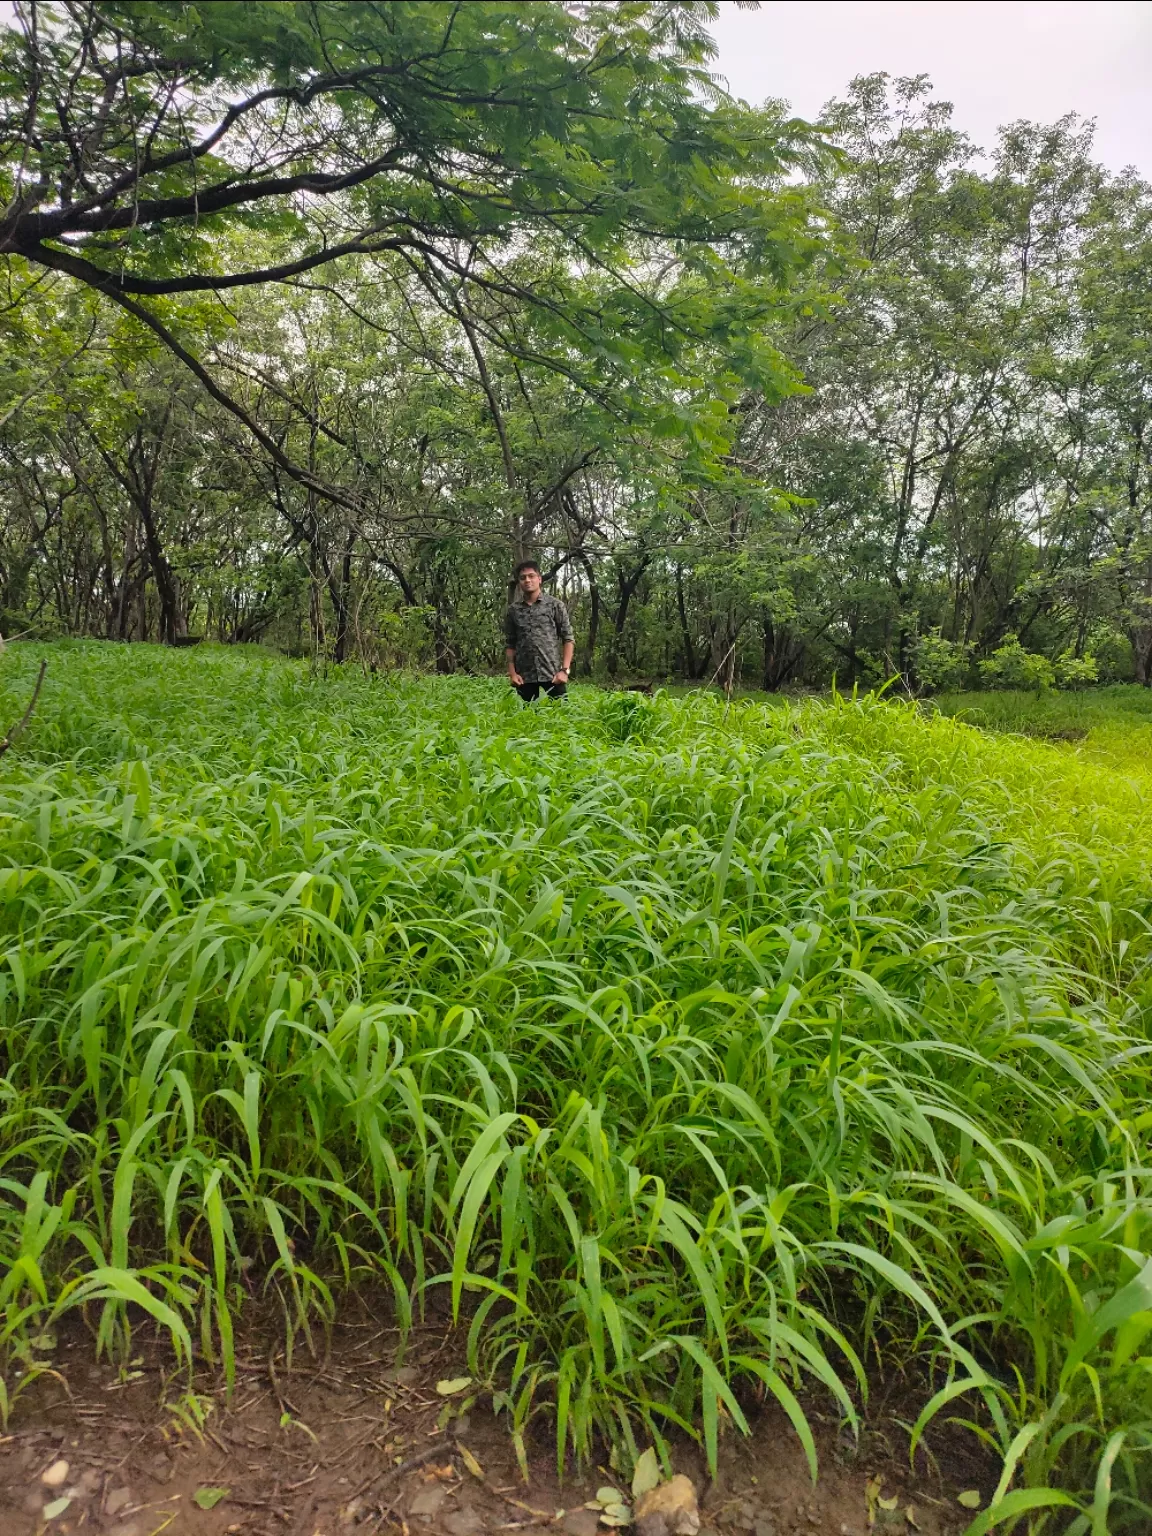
(646,1474)
(208,1498)
(1015,1504)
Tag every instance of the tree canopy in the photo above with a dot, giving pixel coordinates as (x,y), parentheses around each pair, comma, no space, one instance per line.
(318,315)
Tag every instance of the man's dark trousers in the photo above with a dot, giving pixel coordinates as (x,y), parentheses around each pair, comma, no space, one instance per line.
(530,691)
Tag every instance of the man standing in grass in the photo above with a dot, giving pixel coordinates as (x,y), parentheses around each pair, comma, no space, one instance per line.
(538,637)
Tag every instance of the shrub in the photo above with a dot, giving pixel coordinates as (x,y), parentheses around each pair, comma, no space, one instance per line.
(1113,653)
(1011,666)
(1075,671)
(942,666)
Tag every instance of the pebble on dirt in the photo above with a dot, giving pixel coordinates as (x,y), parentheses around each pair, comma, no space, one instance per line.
(669,1509)
(581,1522)
(427,1501)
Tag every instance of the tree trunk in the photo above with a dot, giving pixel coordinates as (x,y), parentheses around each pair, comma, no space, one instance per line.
(316,611)
(339,588)
(626,587)
(690,666)
(173,624)
(722,651)
(768,679)
(593,613)
(1142,656)
(783,653)
(138,476)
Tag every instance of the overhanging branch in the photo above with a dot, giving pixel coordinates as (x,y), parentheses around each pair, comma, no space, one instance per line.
(85,271)
(270,446)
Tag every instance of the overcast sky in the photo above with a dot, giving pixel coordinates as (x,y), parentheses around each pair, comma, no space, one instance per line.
(995,60)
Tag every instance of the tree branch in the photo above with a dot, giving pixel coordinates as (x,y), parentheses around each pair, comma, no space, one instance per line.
(271,447)
(88,272)
(21,725)
(30,228)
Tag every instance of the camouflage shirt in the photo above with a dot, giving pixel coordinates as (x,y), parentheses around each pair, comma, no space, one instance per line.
(537,631)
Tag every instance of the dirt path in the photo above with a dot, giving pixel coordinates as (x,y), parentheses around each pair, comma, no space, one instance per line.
(355,1442)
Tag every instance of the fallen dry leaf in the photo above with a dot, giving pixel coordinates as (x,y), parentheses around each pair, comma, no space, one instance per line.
(871,1494)
(471,1463)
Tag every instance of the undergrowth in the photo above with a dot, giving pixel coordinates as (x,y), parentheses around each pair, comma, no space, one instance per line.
(1112,725)
(690,1052)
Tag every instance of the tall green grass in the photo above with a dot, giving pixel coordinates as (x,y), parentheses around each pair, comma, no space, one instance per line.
(1110,726)
(691,1054)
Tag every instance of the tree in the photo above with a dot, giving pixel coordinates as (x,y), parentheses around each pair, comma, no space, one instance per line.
(763,413)
(135,137)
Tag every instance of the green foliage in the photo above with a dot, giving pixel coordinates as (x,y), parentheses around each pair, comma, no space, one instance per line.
(771,414)
(726,1052)
(626,716)
(1075,671)
(941,665)
(456,135)
(1113,653)
(1011,666)
(1110,726)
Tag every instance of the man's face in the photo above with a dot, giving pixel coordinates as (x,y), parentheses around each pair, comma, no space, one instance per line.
(530,582)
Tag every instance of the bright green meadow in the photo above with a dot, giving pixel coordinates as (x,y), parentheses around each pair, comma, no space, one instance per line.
(689,1054)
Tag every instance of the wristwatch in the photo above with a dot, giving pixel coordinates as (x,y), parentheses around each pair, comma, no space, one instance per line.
(565,672)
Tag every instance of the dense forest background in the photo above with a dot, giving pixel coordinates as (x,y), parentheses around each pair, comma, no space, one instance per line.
(316,317)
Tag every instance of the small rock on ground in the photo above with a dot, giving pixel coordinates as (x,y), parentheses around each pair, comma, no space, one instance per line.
(580,1522)
(669,1509)
(426,1503)
(118,1499)
(462,1522)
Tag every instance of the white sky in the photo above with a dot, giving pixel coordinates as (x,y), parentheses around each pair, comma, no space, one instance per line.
(995,60)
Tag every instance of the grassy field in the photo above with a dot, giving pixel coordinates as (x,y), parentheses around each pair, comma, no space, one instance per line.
(689,1054)
(1112,725)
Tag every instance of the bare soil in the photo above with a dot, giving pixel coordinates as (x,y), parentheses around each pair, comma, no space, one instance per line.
(355,1442)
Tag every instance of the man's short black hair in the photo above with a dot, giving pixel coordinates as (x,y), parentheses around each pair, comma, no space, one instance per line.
(527,565)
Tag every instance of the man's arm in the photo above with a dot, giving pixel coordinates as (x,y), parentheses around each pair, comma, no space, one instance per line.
(564,628)
(510,649)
